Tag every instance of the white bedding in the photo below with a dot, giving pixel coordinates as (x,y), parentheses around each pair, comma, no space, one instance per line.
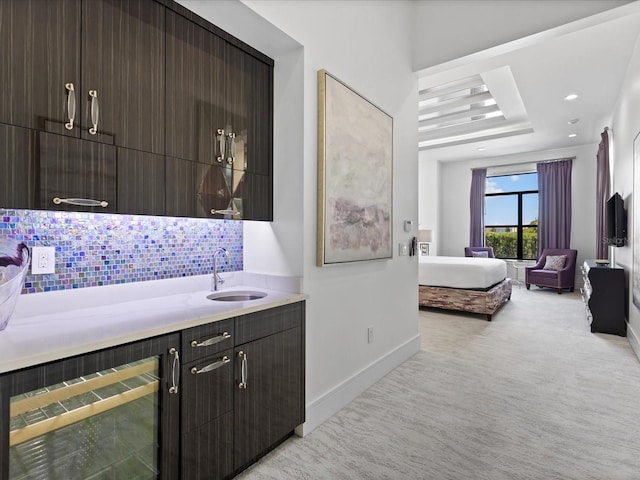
(461,272)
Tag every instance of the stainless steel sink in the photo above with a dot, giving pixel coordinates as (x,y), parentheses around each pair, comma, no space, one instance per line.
(237,296)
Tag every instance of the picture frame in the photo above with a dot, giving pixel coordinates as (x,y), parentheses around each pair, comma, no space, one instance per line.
(636,222)
(355,176)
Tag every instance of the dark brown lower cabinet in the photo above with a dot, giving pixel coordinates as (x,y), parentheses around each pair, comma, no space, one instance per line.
(207,417)
(133,411)
(106,414)
(267,400)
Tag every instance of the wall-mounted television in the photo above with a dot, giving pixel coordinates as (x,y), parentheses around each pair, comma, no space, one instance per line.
(616,221)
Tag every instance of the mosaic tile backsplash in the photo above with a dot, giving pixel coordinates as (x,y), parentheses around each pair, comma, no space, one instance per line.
(94,249)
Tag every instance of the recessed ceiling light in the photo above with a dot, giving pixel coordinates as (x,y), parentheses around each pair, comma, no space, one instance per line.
(571,135)
(481,149)
(571,96)
(573,121)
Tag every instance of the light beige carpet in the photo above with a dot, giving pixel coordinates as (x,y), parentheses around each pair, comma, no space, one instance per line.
(531,395)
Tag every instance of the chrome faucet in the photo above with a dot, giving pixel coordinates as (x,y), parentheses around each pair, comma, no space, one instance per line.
(216,278)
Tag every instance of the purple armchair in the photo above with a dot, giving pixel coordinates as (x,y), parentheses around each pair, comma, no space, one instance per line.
(468,251)
(558,279)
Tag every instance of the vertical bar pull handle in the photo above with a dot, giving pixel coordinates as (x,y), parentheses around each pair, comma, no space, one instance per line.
(231,148)
(220,144)
(95,111)
(244,370)
(175,370)
(71,105)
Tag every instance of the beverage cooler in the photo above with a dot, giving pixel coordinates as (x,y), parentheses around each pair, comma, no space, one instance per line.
(111,414)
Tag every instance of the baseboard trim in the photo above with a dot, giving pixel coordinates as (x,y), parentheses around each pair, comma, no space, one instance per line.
(323,408)
(633,340)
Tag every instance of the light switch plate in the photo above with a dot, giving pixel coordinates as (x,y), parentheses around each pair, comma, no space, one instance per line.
(403,249)
(43,260)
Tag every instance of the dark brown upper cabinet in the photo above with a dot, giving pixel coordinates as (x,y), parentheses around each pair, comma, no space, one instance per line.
(40,64)
(219,100)
(123,73)
(90,69)
(75,174)
(186,108)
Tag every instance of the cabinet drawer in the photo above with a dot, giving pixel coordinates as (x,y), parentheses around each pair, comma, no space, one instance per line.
(200,342)
(261,324)
(207,450)
(207,390)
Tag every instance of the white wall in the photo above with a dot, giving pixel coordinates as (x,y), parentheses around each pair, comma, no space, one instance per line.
(455,185)
(625,126)
(429,198)
(345,39)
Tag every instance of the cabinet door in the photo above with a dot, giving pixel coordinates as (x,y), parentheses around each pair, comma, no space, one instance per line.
(39,55)
(77,170)
(194,189)
(106,414)
(207,451)
(17,172)
(270,402)
(249,112)
(213,86)
(207,417)
(195,90)
(140,182)
(123,63)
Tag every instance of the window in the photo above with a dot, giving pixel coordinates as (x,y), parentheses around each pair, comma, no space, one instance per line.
(511,216)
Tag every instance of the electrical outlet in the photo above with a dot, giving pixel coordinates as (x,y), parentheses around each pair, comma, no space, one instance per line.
(370,335)
(43,260)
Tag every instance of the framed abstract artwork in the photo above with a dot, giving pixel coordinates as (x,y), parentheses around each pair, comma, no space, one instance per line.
(355,170)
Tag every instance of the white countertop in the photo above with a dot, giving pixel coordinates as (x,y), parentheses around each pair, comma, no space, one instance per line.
(55,325)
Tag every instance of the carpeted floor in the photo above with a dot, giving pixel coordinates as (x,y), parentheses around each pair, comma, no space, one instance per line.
(531,395)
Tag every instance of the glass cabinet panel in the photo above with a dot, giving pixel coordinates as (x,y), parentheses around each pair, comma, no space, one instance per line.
(99,426)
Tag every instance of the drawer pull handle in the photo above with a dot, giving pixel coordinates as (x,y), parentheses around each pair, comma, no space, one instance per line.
(175,370)
(244,371)
(224,212)
(81,202)
(212,366)
(95,111)
(71,105)
(211,341)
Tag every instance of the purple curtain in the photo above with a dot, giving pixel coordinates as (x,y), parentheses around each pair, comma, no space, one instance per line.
(554,205)
(478,182)
(602,195)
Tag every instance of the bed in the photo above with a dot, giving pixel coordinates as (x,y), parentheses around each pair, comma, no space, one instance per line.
(469,284)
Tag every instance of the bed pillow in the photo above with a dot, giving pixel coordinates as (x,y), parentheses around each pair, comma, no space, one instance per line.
(480,254)
(555,262)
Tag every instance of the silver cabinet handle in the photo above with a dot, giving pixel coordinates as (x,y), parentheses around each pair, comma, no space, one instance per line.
(71,105)
(95,111)
(175,370)
(212,366)
(220,142)
(231,148)
(244,370)
(224,212)
(211,341)
(81,202)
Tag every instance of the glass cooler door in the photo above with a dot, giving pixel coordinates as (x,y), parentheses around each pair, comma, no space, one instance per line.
(100,426)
